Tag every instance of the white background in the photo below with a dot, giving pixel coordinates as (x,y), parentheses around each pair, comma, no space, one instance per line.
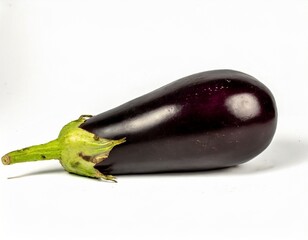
(61,59)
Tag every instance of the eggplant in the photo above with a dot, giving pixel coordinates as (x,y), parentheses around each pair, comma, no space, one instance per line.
(209,120)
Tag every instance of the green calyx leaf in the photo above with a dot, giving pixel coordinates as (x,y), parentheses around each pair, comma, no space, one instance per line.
(85,150)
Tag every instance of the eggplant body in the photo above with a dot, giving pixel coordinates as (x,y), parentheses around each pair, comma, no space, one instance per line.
(209,120)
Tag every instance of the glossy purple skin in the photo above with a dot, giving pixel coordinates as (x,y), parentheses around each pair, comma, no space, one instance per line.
(208,120)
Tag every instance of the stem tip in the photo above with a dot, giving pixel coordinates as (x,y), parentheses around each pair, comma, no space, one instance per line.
(6,160)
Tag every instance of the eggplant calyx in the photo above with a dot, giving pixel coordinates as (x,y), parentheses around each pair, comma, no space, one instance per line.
(77,150)
(82,150)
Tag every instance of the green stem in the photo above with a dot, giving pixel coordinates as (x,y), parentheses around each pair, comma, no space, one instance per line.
(39,152)
(77,149)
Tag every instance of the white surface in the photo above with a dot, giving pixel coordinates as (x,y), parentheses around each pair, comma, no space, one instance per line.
(60,59)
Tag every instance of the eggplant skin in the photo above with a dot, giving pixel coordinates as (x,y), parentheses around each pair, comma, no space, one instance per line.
(209,120)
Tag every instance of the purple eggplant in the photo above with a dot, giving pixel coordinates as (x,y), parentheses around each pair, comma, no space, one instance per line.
(209,120)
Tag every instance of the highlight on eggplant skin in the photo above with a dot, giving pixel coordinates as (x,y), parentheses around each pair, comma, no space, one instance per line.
(209,120)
